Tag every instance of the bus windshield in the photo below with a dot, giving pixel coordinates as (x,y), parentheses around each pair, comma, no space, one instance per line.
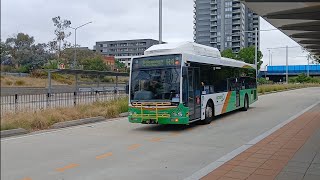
(156,79)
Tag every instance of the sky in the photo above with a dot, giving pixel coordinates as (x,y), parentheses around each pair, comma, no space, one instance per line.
(124,19)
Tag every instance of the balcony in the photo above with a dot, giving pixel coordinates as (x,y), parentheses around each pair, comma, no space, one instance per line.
(213,2)
(237,22)
(236,11)
(214,24)
(214,19)
(213,30)
(236,5)
(213,13)
(214,7)
(236,17)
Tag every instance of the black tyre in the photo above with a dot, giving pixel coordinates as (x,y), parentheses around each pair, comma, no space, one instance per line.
(209,113)
(246,103)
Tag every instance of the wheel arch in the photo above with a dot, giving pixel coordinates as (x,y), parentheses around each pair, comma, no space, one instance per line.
(210,101)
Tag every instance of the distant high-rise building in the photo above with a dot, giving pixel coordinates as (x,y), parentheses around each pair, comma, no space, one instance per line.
(223,24)
(124,50)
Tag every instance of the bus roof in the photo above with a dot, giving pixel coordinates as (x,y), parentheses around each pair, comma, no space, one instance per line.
(194,52)
(217,61)
(184,47)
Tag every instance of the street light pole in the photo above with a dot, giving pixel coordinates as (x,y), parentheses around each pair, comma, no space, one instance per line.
(160,21)
(75,43)
(265,71)
(269,57)
(308,68)
(256,52)
(287,64)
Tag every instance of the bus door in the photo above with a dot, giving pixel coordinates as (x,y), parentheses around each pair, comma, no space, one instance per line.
(194,93)
(237,88)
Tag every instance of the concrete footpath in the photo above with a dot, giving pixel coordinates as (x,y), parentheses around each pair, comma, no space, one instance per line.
(292,152)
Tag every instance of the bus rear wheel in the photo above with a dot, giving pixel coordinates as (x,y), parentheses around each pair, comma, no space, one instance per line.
(209,113)
(246,103)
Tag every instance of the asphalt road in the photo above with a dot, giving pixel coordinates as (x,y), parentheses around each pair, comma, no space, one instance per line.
(119,150)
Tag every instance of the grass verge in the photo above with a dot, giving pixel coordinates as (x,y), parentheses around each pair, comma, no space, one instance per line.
(41,120)
(262,89)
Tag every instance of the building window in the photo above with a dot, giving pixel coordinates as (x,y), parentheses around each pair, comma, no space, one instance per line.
(228,4)
(227,15)
(228,9)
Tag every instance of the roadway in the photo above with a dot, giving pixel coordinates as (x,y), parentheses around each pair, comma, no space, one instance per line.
(119,150)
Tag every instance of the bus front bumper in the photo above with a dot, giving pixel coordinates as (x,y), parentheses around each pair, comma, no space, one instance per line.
(169,120)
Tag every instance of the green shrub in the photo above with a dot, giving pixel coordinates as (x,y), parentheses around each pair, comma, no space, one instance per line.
(23,69)
(264,81)
(65,79)
(20,83)
(7,68)
(9,83)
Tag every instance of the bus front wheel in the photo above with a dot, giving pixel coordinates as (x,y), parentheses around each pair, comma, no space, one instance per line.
(209,112)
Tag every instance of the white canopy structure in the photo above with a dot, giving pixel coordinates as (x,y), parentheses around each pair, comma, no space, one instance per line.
(184,47)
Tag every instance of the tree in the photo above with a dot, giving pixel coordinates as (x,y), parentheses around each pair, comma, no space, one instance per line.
(61,34)
(248,55)
(6,58)
(229,54)
(25,52)
(316,58)
(95,63)
(82,55)
(119,64)
(245,54)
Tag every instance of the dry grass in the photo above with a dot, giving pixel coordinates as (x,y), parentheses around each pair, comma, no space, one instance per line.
(44,119)
(281,87)
(12,81)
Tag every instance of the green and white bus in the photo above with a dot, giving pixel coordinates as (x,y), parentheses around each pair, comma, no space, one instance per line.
(186,82)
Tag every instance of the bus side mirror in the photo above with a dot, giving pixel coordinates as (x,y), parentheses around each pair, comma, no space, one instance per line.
(184,71)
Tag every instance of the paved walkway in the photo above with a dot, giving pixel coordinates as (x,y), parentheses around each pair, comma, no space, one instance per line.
(292,152)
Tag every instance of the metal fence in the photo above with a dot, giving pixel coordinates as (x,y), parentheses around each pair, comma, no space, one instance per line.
(26,103)
(15,74)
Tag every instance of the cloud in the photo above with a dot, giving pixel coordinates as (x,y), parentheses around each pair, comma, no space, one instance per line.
(121,19)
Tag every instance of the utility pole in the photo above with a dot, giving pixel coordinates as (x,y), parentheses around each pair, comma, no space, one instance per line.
(308,68)
(287,64)
(269,57)
(160,21)
(75,43)
(256,52)
(265,72)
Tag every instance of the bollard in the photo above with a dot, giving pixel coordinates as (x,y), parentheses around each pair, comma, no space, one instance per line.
(16,102)
(97,96)
(48,100)
(75,98)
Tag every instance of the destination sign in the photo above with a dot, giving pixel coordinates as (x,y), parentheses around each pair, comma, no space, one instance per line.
(158,61)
